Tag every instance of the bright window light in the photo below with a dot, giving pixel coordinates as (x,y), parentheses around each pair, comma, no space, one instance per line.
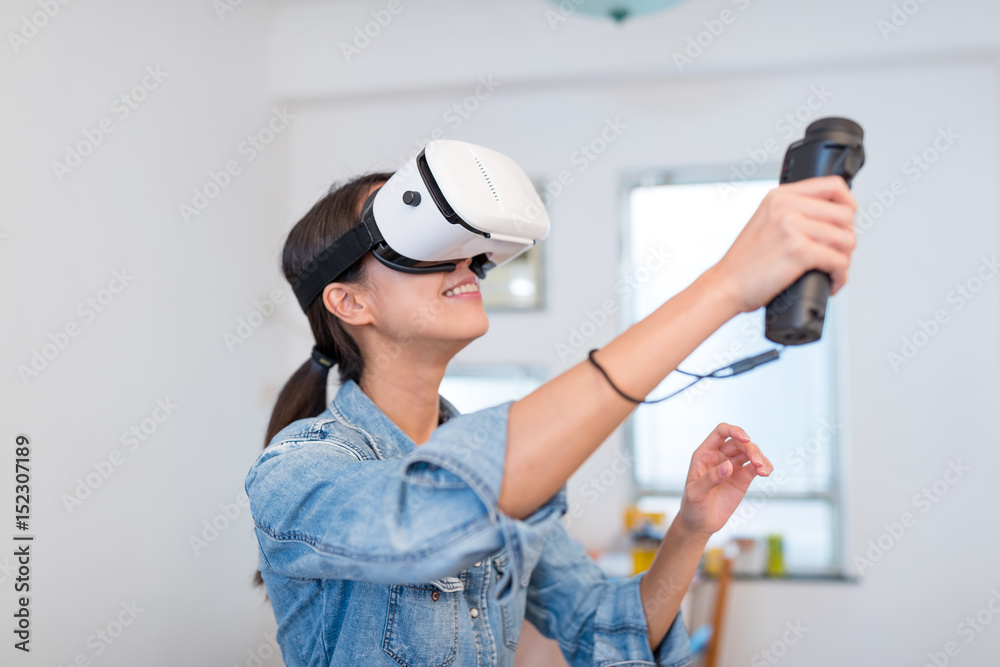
(789,407)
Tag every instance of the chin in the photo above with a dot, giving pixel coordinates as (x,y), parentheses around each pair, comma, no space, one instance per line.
(465,326)
(480,329)
(474,329)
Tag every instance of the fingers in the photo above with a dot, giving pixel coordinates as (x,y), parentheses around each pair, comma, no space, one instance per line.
(708,452)
(829,223)
(825,258)
(739,475)
(838,238)
(722,457)
(841,215)
(780,241)
(717,449)
(743,477)
(812,222)
(739,452)
(823,209)
(698,489)
(737,460)
(834,288)
(833,188)
(721,432)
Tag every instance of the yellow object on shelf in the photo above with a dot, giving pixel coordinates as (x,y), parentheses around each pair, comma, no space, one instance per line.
(642,559)
(634,517)
(645,531)
(775,556)
(712,563)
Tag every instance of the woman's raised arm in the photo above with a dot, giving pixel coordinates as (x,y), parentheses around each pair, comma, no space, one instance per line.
(553,430)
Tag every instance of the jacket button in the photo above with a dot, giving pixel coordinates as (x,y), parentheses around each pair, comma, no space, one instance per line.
(434,596)
(474,612)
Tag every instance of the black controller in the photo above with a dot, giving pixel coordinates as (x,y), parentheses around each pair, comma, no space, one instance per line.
(831,146)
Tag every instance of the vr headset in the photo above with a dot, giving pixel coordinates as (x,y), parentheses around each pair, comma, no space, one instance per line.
(454,201)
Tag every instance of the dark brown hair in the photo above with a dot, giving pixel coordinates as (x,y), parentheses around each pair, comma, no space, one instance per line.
(304,395)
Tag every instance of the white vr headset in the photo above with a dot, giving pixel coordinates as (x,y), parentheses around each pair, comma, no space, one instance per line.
(454,201)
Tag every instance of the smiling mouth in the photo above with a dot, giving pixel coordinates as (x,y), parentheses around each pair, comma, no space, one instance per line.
(465,288)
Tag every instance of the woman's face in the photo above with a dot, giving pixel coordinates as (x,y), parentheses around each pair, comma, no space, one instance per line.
(426,306)
(414,308)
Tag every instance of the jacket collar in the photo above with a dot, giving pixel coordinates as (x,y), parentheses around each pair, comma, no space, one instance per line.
(353,406)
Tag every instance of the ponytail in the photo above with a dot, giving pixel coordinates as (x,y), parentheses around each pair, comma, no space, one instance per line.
(304,394)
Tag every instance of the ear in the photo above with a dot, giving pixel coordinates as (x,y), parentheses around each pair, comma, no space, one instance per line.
(347,303)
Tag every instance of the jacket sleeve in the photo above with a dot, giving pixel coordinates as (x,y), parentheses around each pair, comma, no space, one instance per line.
(596,620)
(324,507)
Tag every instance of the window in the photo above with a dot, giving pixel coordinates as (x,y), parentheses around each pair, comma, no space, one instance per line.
(475,387)
(791,407)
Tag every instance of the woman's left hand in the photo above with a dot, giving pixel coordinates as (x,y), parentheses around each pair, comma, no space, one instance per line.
(717,479)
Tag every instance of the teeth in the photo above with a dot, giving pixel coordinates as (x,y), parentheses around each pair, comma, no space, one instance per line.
(462,289)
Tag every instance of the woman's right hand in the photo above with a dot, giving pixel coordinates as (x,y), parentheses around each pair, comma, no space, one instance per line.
(798,226)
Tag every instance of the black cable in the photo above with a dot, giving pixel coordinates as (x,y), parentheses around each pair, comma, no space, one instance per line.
(737,367)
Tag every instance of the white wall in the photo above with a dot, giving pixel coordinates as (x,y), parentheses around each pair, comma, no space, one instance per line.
(162,336)
(557,89)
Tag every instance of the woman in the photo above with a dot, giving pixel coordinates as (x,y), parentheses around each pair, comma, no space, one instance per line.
(395,531)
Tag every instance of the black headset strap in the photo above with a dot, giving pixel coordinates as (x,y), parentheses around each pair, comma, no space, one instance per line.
(335,259)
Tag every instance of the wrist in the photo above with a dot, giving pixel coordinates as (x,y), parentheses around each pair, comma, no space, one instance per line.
(681,530)
(718,285)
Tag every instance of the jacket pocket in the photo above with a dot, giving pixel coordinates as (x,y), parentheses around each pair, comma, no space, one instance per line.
(512,612)
(421,626)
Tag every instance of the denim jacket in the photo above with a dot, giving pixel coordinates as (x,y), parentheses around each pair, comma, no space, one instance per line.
(377,551)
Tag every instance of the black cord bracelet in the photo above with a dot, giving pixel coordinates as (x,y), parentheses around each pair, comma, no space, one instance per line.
(590,355)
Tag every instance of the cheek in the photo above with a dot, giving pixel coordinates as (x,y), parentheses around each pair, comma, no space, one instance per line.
(426,313)
(416,309)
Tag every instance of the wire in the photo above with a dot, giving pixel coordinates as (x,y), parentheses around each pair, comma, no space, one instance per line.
(735,368)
